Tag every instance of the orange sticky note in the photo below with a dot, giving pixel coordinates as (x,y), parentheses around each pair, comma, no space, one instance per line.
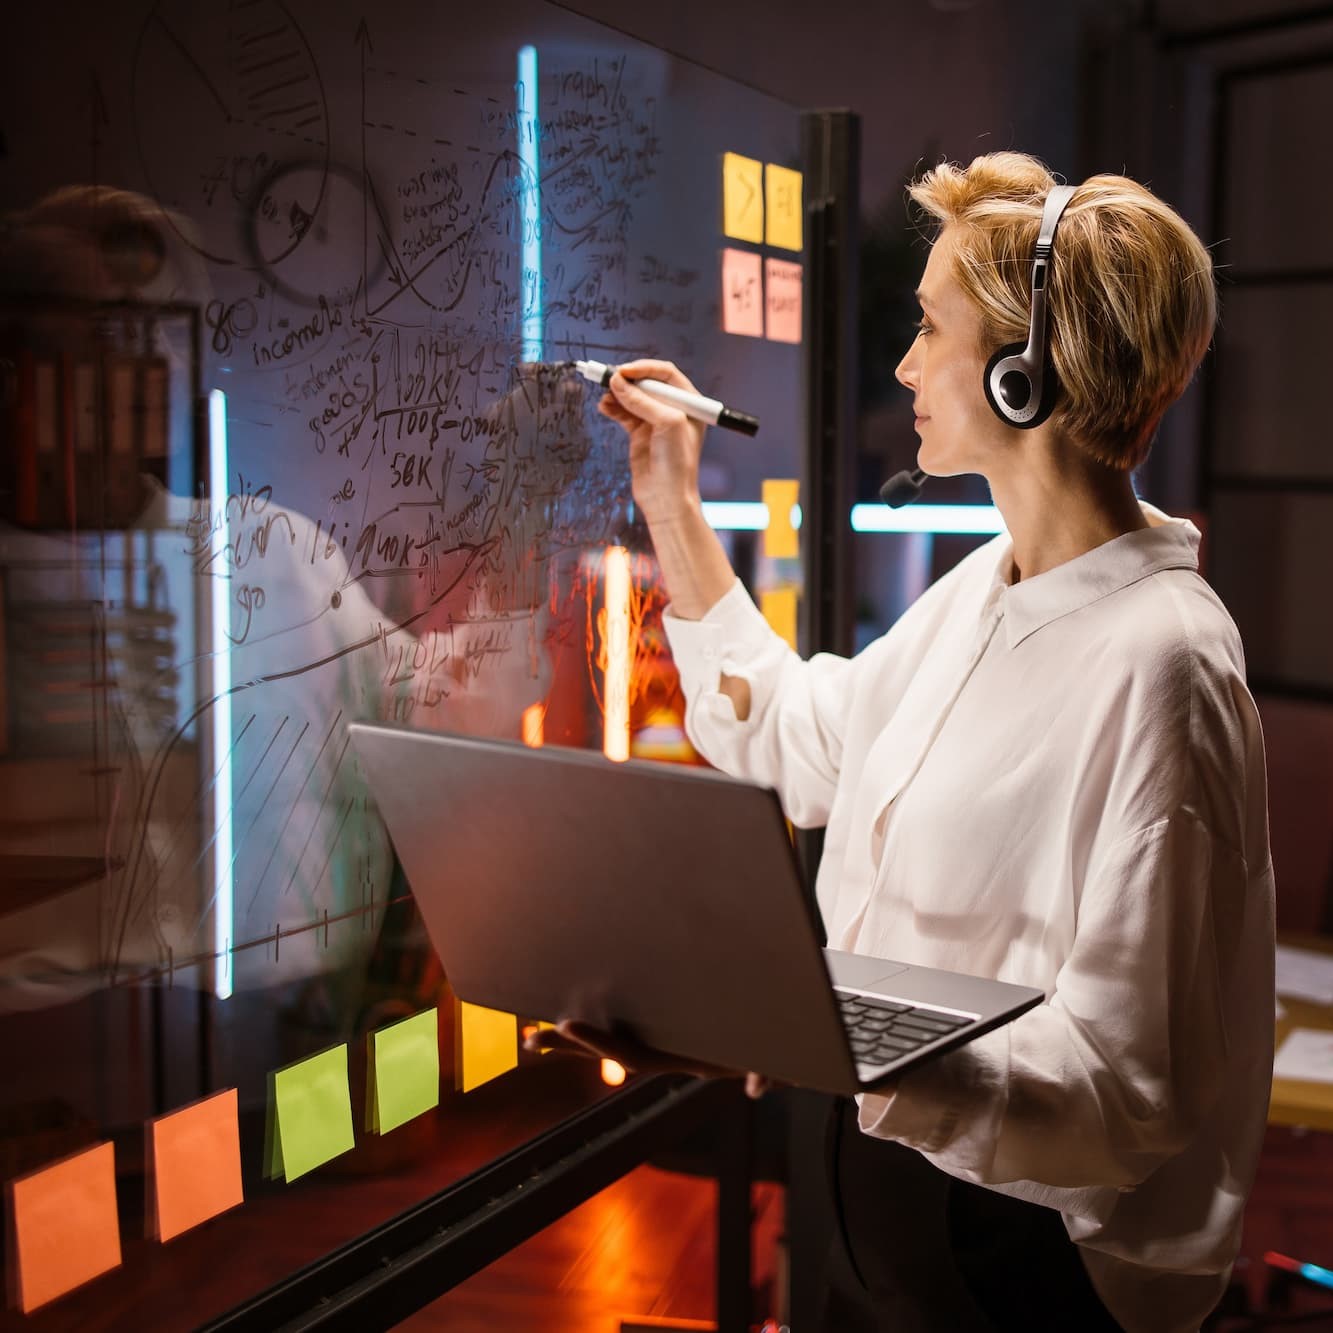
(742,197)
(488,1044)
(782,300)
(780,539)
(62,1226)
(778,606)
(194,1164)
(742,293)
(782,192)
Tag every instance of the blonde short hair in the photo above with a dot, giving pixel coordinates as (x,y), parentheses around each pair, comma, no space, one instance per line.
(1131,302)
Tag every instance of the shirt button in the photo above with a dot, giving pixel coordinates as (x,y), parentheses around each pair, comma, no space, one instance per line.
(710,654)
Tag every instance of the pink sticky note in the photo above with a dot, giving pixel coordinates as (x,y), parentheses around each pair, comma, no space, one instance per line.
(782,300)
(742,293)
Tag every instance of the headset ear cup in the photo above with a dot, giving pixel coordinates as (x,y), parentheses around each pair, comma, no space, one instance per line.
(1049,389)
(1000,408)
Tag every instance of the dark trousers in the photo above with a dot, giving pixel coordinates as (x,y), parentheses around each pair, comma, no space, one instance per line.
(916,1251)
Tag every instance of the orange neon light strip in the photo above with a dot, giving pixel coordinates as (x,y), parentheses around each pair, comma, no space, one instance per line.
(615,719)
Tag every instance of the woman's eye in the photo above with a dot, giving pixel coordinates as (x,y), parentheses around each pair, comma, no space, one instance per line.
(921,326)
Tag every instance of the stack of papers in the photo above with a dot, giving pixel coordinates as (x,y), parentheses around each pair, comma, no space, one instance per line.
(1305,975)
(1307,1054)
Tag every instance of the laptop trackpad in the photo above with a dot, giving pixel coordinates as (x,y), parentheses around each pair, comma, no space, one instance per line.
(858,971)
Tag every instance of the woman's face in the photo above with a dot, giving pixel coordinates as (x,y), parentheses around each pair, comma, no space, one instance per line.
(944,368)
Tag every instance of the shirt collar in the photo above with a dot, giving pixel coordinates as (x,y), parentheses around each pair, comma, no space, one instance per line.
(1168,543)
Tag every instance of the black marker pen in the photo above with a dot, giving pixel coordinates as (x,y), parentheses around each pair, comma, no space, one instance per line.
(695,405)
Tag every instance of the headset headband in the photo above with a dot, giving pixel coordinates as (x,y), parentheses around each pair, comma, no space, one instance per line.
(1016,382)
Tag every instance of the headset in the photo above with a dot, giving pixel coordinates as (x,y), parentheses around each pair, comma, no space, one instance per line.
(1020,385)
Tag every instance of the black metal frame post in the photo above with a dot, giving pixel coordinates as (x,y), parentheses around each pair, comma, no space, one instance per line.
(831,143)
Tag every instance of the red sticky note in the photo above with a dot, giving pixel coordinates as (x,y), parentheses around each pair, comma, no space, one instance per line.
(194,1164)
(742,293)
(782,300)
(62,1226)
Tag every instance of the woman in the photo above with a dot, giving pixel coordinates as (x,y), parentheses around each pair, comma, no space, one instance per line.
(1049,771)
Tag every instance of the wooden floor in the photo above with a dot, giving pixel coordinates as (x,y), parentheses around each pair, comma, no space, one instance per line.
(644,1248)
(641,1249)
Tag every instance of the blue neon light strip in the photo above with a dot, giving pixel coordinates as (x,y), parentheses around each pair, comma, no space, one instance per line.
(530,203)
(737,516)
(980,519)
(224,890)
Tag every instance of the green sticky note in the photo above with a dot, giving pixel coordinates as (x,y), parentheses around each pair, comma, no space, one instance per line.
(309,1114)
(402,1071)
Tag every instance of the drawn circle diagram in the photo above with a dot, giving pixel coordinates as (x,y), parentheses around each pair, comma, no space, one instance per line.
(223,94)
(331,255)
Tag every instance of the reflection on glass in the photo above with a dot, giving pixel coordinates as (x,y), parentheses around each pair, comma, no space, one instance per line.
(288,439)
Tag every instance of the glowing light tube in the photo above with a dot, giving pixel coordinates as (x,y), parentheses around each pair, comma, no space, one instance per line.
(615,687)
(751,516)
(224,887)
(980,519)
(530,203)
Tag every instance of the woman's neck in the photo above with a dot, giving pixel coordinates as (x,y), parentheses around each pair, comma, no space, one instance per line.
(1059,503)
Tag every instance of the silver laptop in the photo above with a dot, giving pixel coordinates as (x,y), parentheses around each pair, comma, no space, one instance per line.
(657,900)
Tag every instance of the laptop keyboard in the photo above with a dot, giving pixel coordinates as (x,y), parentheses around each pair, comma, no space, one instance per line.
(881,1031)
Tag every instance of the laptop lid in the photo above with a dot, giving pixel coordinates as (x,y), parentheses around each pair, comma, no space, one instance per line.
(664,900)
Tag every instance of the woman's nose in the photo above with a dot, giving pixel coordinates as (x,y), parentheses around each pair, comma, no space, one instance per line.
(906,374)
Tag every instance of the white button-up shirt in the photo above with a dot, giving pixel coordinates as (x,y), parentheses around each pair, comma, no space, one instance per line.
(1058,782)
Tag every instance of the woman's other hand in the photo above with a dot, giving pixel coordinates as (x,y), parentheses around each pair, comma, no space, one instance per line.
(583,1039)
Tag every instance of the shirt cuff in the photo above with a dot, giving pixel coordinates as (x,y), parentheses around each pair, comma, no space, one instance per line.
(952,1106)
(733,630)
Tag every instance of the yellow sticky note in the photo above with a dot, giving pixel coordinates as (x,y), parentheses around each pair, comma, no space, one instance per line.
(742,198)
(778,606)
(782,300)
(63,1229)
(488,1042)
(782,190)
(780,538)
(742,293)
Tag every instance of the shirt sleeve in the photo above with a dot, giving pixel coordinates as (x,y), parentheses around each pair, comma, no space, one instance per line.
(1117,1071)
(793,736)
